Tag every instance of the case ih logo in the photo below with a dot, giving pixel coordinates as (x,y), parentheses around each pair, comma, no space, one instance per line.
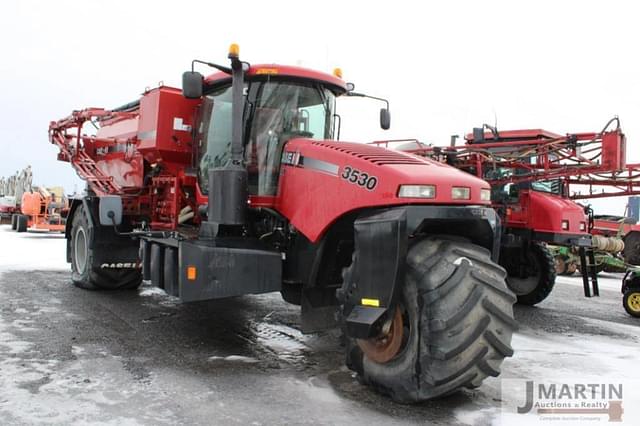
(290,158)
(121,265)
(575,401)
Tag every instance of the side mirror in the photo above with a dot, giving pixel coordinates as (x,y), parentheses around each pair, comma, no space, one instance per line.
(192,83)
(351,87)
(110,210)
(385,119)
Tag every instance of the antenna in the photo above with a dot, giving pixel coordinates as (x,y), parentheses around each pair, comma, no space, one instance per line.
(495,119)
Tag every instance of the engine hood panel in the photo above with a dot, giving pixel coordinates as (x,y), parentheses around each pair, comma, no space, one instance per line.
(322,180)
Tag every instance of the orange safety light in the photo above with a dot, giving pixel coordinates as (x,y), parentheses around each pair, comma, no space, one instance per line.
(192,273)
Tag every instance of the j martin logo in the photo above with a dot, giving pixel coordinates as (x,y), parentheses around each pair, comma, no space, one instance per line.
(577,398)
(564,401)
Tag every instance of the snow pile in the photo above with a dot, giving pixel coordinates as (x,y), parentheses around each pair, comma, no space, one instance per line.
(31,251)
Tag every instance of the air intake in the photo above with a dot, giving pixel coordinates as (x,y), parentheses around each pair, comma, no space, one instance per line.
(373,154)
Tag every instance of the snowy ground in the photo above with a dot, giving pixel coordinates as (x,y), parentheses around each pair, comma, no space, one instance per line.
(72,356)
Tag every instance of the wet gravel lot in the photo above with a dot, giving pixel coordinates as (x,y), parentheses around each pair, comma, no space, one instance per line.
(140,357)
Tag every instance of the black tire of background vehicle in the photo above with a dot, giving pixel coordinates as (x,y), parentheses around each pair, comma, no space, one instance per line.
(560,264)
(631,252)
(22,222)
(14,220)
(460,323)
(546,279)
(84,273)
(156,265)
(170,272)
(630,301)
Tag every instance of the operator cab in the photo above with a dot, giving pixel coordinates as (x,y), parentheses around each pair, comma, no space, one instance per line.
(280,104)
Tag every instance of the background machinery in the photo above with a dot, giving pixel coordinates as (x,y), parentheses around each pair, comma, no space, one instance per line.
(535,177)
(237,185)
(11,190)
(42,209)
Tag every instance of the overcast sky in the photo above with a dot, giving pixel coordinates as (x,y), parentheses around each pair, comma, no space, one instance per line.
(445,66)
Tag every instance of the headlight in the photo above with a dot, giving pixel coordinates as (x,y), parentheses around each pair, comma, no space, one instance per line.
(485,194)
(565,224)
(583,226)
(460,193)
(417,191)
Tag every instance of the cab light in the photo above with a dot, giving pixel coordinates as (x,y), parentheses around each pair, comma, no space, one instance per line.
(583,226)
(267,71)
(460,193)
(192,273)
(370,302)
(565,225)
(337,72)
(234,50)
(417,191)
(485,194)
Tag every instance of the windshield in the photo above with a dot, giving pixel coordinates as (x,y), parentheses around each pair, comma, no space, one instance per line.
(275,112)
(511,190)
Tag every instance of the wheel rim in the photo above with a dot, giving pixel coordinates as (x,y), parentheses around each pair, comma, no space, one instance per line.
(522,286)
(384,348)
(633,302)
(80,250)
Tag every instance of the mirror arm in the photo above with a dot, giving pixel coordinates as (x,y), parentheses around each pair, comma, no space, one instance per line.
(362,95)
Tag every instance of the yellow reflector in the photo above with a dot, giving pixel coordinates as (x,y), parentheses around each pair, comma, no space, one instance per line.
(191,273)
(337,72)
(263,71)
(234,50)
(370,302)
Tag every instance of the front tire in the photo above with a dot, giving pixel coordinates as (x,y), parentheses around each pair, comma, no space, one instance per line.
(457,317)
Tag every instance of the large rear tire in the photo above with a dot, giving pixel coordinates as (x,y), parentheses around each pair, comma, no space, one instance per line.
(531,275)
(84,272)
(456,324)
(14,222)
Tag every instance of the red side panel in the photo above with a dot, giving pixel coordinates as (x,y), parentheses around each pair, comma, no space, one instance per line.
(545,213)
(610,228)
(164,130)
(614,151)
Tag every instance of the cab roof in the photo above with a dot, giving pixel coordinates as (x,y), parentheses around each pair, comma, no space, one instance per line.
(336,84)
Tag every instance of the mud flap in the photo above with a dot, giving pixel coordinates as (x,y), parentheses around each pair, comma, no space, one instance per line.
(381,244)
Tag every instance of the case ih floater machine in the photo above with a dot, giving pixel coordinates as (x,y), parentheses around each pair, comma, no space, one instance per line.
(237,185)
(532,173)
